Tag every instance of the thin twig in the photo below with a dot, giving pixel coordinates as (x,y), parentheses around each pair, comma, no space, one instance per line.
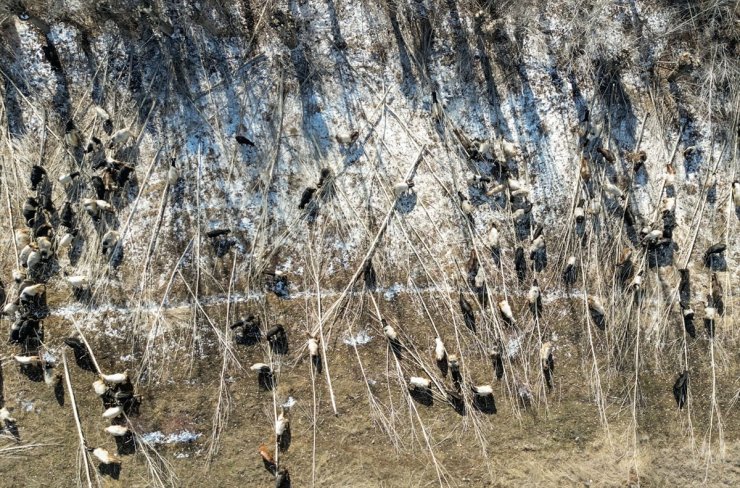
(76,415)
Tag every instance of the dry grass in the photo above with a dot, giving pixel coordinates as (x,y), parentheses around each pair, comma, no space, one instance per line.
(657,83)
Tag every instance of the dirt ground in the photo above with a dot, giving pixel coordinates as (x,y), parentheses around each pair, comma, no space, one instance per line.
(556,441)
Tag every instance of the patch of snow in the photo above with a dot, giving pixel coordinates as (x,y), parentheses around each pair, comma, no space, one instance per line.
(392,292)
(359,339)
(155,437)
(181,437)
(512,348)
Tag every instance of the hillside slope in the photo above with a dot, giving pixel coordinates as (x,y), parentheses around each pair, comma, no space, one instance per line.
(374,163)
